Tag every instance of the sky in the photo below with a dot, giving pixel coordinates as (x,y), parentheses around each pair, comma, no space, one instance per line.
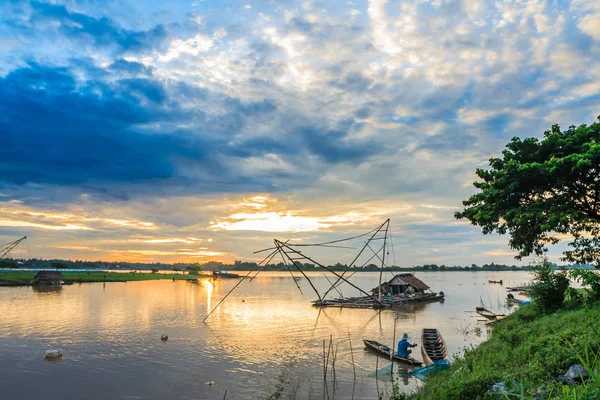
(191,131)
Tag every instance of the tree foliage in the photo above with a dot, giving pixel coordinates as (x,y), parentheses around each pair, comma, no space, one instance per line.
(541,191)
(60,265)
(548,288)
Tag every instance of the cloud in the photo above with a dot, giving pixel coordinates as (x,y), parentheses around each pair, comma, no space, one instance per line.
(99,31)
(323,108)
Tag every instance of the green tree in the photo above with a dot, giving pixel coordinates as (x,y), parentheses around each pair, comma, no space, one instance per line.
(195,268)
(541,189)
(60,265)
(7,263)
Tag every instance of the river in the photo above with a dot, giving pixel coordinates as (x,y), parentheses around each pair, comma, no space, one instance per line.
(266,338)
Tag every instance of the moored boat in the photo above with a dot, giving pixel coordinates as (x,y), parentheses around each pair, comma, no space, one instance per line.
(517,289)
(500,281)
(515,302)
(224,274)
(386,352)
(433,347)
(484,312)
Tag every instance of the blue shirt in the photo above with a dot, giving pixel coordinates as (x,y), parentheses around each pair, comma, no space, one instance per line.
(403,346)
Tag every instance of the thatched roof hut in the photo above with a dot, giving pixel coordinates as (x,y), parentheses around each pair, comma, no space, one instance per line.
(400,283)
(48,278)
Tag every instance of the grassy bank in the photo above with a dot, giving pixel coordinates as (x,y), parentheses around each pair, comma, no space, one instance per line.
(529,349)
(99,276)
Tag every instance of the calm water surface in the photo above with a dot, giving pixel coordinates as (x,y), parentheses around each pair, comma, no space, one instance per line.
(266,337)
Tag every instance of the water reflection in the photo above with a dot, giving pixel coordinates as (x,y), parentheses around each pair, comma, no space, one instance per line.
(47,289)
(265,334)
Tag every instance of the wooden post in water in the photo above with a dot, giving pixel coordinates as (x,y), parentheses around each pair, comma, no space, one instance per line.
(383,255)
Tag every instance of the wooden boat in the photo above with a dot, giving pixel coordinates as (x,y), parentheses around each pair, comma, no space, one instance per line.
(514,302)
(433,347)
(385,351)
(517,289)
(493,321)
(484,312)
(224,274)
(500,281)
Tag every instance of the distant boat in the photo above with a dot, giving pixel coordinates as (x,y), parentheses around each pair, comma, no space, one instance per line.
(224,274)
(433,347)
(484,312)
(524,289)
(386,352)
(500,281)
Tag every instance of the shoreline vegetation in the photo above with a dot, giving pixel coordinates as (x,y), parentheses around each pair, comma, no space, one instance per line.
(25,278)
(526,351)
(548,349)
(248,265)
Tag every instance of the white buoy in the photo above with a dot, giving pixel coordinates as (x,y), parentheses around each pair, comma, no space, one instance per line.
(53,354)
(164,337)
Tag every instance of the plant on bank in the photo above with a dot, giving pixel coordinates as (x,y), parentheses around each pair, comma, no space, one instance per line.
(549,287)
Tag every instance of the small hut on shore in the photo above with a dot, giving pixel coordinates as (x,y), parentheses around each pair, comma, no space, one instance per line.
(400,283)
(48,278)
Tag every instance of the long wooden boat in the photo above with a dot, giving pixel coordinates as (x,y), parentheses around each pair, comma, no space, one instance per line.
(515,302)
(433,346)
(385,351)
(500,281)
(484,312)
(225,275)
(517,289)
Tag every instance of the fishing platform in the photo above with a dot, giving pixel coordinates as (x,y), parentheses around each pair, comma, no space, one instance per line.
(401,289)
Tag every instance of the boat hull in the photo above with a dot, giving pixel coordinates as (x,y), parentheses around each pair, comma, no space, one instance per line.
(487,313)
(433,346)
(515,302)
(385,351)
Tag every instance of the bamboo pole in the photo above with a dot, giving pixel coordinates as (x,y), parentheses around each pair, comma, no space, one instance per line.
(377,230)
(280,246)
(326,268)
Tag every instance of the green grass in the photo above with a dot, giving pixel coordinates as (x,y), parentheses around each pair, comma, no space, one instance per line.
(530,349)
(26,276)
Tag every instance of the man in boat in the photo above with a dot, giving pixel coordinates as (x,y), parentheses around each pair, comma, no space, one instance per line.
(403,346)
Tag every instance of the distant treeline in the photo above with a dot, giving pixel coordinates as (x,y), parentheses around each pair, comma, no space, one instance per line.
(246,265)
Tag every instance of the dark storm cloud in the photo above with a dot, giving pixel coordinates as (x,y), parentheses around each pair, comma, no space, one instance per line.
(99,136)
(100,31)
(55,134)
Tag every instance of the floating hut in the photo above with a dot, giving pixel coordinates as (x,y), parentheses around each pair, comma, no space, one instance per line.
(49,278)
(401,289)
(401,284)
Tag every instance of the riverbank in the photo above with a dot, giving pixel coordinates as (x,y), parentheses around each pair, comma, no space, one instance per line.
(24,278)
(528,349)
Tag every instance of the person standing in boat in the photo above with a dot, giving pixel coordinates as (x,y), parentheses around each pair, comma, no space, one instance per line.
(403,346)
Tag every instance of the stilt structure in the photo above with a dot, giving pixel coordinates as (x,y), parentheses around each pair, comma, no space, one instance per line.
(292,256)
